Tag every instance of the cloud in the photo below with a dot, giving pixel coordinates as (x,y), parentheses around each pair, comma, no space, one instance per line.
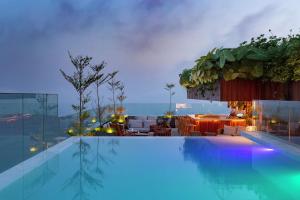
(252,25)
(148,41)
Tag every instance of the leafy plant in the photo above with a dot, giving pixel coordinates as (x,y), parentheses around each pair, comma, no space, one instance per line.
(296,72)
(271,58)
(185,78)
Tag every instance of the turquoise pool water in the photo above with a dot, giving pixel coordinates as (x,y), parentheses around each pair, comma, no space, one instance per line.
(225,168)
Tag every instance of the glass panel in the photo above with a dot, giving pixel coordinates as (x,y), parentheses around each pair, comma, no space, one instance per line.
(159,109)
(295,124)
(11,130)
(29,123)
(279,118)
(34,117)
(52,132)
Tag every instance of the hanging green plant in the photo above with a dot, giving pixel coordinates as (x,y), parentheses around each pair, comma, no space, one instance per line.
(280,74)
(271,58)
(296,72)
(200,77)
(185,79)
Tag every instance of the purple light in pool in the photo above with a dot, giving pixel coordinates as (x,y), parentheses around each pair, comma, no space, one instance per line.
(267,149)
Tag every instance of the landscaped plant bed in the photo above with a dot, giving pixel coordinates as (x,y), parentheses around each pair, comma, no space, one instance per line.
(266,68)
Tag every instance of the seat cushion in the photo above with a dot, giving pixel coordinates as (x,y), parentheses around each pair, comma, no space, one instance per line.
(240,129)
(230,130)
(148,123)
(135,123)
(142,130)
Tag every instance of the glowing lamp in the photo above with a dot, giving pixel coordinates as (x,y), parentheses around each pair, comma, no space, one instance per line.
(94,120)
(109,130)
(70,131)
(112,115)
(169,116)
(97,129)
(268,149)
(251,128)
(240,115)
(33,149)
(121,121)
(273,121)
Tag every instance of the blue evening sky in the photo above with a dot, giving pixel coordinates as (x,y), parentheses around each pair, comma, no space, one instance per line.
(148,41)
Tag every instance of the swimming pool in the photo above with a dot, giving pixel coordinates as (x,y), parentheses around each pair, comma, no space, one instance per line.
(114,168)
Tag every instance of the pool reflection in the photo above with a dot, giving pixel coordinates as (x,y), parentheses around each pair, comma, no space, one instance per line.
(238,166)
(160,168)
(90,173)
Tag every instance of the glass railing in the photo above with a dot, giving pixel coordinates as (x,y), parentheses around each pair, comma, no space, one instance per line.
(29,124)
(159,109)
(279,118)
(153,110)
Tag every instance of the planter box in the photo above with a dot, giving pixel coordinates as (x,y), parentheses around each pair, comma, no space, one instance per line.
(195,93)
(245,90)
(248,90)
(295,91)
(239,90)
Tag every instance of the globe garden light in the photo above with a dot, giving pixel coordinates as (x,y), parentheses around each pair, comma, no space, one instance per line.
(33,149)
(70,131)
(94,120)
(109,130)
(169,116)
(97,129)
(121,120)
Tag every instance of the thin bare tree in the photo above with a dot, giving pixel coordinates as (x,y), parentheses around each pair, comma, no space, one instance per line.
(113,85)
(169,87)
(81,79)
(103,78)
(121,97)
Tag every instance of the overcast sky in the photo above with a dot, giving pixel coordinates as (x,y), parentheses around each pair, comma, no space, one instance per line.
(148,41)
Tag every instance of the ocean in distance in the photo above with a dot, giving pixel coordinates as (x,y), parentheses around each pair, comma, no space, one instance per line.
(158,109)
